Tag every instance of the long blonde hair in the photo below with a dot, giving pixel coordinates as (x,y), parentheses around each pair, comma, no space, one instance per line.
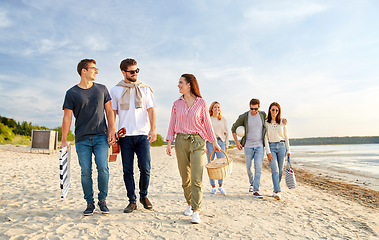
(219,116)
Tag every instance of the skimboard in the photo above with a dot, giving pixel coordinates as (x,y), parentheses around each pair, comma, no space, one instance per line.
(64,169)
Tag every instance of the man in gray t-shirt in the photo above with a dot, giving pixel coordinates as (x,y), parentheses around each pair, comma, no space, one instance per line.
(252,142)
(88,101)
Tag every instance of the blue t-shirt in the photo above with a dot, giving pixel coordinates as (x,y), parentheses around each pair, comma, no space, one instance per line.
(88,108)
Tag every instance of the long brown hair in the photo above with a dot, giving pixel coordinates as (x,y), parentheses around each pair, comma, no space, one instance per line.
(219,116)
(277,120)
(191,79)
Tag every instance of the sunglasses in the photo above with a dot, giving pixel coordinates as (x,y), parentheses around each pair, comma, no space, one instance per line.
(274,110)
(132,71)
(254,109)
(94,68)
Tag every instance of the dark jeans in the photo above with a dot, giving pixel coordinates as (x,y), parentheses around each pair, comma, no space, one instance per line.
(141,147)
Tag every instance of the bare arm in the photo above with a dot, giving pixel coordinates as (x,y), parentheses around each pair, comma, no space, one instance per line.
(152,135)
(168,149)
(66,124)
(110,119)
(238,144)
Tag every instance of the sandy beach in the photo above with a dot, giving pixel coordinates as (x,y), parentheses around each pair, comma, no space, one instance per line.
(318,208)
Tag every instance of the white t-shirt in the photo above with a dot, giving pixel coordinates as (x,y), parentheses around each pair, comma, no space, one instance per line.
(135,121)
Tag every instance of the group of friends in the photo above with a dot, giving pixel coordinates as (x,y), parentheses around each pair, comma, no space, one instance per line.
(195,130)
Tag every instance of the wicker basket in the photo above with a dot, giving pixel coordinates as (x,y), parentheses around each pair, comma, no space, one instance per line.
(219,168)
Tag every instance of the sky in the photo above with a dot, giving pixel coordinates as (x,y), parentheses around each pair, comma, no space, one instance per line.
(317,59)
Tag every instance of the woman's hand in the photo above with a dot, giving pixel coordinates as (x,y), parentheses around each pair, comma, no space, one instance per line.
(168,149)
(269,157)
(216,146)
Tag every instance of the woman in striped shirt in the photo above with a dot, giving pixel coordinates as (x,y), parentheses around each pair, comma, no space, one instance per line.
(191,124)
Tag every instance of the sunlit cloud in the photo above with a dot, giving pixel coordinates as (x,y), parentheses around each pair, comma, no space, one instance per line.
(279,13)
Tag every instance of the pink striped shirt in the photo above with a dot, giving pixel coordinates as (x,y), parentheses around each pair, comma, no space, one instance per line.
(186,120)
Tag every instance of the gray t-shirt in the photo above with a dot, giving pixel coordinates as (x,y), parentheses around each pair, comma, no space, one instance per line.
(88,108)
(254,133)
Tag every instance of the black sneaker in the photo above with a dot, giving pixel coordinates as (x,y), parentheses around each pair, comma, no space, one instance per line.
(89,210)
(103,207)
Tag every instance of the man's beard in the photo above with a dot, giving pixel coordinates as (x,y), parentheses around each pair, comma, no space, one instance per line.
(132,79)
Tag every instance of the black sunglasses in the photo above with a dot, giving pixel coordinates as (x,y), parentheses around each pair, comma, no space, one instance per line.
(132,71)
(255,109)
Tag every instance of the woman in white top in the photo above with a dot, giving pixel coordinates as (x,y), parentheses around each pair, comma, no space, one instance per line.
(220,128)
(276,145)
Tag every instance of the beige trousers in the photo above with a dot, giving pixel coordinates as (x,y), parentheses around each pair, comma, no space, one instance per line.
(191,155)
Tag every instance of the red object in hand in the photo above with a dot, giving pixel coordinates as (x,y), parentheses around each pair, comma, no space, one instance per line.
(113,151)
(121,132)
(115,148)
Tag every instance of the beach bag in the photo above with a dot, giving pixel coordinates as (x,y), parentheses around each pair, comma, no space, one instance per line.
(219,168)
(290,175)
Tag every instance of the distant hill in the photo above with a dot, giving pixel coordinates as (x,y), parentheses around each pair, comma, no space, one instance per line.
(329,140)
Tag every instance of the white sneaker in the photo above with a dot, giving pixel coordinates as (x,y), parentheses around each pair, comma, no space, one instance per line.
(222,190)
(213,191)
(188,211)
(277,196)
(251,188)
(257,194)
(195,218)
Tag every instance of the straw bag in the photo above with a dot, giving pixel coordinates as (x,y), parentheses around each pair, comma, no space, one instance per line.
(219,168)
(290,175)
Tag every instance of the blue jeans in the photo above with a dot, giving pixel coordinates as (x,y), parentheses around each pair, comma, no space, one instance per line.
(141,146)
(98,145)
(278,151)
(257,154)
(218,154)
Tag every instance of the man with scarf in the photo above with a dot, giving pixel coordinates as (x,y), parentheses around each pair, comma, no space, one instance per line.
(133,102)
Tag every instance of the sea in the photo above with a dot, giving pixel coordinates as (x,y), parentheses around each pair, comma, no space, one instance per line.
(355,163)
(355,157)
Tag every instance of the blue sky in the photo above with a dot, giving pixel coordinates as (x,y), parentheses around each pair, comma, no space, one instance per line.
(318,59)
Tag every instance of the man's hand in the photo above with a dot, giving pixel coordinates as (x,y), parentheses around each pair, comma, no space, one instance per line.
(238,145)
(112,138)
(152,135)
(63,144)
(269,157)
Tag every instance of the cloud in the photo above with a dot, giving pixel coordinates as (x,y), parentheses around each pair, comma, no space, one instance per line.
(96,43)
(4,20)
(279,13)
